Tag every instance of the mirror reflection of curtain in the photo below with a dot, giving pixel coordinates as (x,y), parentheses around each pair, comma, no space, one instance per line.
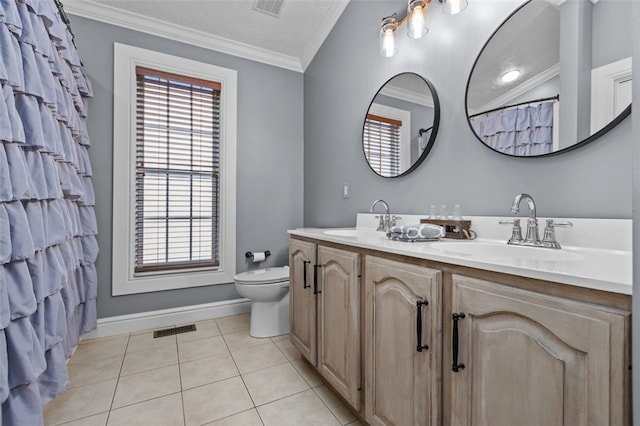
(48,248)
(524,130)
(423,139)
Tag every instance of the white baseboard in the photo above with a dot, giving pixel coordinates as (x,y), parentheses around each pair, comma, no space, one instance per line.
(122,324)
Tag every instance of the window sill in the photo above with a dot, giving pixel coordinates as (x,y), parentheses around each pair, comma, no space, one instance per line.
(168,281)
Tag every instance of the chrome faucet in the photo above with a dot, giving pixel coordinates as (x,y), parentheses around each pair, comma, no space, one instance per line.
(532,238)
(385,220)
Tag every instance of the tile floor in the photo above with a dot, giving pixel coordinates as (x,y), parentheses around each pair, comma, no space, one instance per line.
(216,375)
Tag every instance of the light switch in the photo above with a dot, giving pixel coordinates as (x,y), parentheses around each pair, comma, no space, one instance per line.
(345,191)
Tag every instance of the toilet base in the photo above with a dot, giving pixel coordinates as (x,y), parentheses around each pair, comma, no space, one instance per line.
(269,319)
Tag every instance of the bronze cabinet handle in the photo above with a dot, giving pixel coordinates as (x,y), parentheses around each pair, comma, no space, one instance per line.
(419,305)
(456,366)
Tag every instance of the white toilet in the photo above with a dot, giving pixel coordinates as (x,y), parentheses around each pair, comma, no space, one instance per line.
(268,290)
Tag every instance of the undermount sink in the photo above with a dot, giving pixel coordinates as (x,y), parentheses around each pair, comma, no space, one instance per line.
(342,232)
(483,250)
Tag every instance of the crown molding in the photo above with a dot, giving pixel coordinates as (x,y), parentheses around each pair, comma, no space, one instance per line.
(519,90)
(330,19)
(408,96)
(156,27)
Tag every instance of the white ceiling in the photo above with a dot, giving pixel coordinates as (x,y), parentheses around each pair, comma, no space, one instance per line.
(528,41)
(292,39)
(289,40)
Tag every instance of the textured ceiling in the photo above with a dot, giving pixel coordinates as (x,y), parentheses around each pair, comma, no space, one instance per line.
(236,20)
(297,32)
(528,41)
(292,39)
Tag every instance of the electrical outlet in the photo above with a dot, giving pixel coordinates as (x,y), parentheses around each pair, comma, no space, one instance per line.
(345,191)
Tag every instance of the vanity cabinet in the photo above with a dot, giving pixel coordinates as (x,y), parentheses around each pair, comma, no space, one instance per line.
(520,351)
(325,313)
(529,358)
(402,335)
(302,300)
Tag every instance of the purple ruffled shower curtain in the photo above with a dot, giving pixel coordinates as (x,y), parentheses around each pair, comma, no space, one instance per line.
(523,131)
(48,229)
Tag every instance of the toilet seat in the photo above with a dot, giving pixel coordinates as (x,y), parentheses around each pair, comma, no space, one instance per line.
(263,276)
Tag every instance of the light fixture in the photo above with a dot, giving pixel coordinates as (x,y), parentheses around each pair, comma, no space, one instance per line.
(415,20)
(510,76)
(416,27)
(452,7)
(388,29)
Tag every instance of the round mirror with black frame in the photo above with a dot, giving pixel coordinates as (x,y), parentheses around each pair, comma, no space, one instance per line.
(401,125)
(553,77)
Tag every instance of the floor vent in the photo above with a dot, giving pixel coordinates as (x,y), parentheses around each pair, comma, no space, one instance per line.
(174,330)
(270,7)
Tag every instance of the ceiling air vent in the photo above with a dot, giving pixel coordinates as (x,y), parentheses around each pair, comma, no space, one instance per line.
(270,7)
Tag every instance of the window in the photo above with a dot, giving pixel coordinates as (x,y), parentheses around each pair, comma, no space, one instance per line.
(387,139)
(174,152)
(382,144)
(177,171)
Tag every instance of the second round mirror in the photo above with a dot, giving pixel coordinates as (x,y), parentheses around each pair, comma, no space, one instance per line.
(554,76)
(401,125)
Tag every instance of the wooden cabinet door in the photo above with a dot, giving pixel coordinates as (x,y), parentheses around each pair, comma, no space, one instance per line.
(402,384)
(302,301)
(534,359)
(339,321)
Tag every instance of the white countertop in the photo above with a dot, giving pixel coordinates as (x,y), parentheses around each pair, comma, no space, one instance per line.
(597,252)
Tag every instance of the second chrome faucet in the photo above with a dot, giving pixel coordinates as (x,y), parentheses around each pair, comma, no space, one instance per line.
(532,237)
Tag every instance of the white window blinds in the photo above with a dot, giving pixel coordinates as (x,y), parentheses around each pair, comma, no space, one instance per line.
(177,211)
(382,144)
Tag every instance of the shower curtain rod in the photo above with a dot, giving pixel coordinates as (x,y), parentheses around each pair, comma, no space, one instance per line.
(65,19)
(421,131)
(551,98)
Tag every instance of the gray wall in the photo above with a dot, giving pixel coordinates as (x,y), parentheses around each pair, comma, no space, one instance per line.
(593,181)
(611,31)
(548,88)
(269,168)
